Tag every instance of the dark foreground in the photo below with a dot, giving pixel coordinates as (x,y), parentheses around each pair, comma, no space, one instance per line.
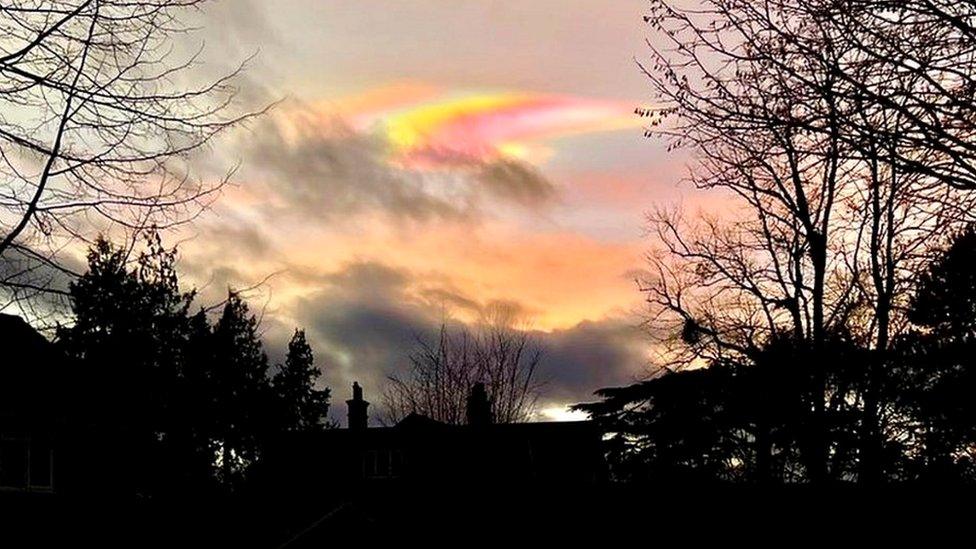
(597,515)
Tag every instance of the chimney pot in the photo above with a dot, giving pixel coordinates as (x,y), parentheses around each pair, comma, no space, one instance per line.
(479,406)
(358,417)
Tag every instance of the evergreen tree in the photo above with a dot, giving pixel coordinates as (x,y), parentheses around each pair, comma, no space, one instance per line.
(939,361)
(945,297)
(243,398)
(173,403)
(303,407)
(732,421)
(126,345)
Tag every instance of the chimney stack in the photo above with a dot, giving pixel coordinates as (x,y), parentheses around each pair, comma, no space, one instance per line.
(479,407)
(357,409)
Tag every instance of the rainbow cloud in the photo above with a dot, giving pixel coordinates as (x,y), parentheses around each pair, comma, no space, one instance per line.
(432,129)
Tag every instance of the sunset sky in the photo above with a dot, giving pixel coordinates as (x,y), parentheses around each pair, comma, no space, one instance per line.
(431,158)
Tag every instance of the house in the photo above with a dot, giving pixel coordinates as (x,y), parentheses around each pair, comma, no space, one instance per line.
(428,478)
(31,414)
(47,446)
(420,452)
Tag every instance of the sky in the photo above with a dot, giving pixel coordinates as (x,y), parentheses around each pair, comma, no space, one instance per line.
(433,159)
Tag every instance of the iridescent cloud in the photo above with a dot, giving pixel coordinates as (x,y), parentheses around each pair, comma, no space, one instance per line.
(430,129)
(427,139)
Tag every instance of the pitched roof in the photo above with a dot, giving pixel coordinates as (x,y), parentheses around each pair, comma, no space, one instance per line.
(17,337)
(31,371)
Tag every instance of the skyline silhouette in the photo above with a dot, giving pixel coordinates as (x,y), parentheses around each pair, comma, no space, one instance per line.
(563,263)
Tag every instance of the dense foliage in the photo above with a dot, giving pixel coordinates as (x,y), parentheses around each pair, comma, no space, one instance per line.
(179,399)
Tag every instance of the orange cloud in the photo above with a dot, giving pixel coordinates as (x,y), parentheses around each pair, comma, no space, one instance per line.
(559,274)
(559,278)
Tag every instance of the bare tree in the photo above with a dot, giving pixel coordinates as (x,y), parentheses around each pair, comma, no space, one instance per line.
(836,211)
(98,117)
(442,372)
(917,59)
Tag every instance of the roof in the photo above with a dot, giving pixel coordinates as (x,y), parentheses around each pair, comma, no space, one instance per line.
(31,373)
(418,421)
(19,337)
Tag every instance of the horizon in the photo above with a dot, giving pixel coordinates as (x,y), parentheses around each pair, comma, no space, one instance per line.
(736,238)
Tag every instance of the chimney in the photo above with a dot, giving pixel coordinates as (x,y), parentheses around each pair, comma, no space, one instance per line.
(357,408)
(479,407)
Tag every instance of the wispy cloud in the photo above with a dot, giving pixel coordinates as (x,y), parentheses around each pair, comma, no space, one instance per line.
(366,319)
(430,160)
(315,162)
(431,129)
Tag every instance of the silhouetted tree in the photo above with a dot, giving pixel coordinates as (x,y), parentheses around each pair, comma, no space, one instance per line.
(833,221)
(734,421)
(172,403)
(502,356)
(126,343)
(752,418)
(303,407)
(941,361)
(197,394)
(479,406)
(673,428)
(914,59)
(243,397)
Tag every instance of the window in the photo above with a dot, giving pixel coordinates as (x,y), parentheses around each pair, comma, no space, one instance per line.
(369,464)
(26,463)
(382,463)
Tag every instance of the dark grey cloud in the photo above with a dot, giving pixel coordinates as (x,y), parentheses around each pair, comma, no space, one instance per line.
(362,324)
(237,238)
(450,299)
(365,321)
(334,171)
(212,281)
(25,266)
(368,277)
(515,181)
(593,355)
(322,173)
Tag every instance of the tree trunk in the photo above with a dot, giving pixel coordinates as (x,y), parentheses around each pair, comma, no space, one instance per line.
(819,453)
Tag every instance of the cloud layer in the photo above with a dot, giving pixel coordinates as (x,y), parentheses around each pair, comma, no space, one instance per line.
(368,317)
(434,158)
(318,165)
(373,253)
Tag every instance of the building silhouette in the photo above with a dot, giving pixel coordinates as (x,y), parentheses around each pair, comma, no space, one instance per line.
(32,418)
(421,452)
(45,447)
(59,467)
(422,472)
